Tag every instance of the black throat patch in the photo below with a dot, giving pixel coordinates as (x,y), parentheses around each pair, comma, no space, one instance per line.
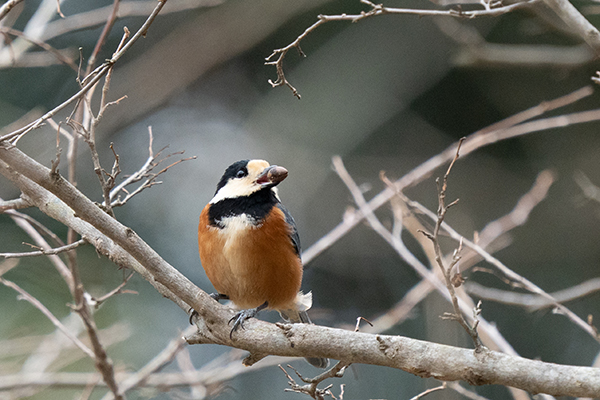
(256,206)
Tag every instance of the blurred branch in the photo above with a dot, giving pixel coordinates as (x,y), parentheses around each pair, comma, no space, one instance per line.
(515,278)
(98,16)
(506,129)
(377,10)
(88,82)
(6,7)
(577,22)
(36,303)
(159,361)
(588,188)
(495,54)
(533,302)
(466,305)
(476,51)
(58,54)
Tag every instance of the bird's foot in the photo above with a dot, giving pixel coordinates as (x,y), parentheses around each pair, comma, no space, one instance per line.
(219,296)
(241,316)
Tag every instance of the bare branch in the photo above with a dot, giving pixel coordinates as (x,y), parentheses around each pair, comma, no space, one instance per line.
(14,204)
(522,281)
(145,172)
(429,391)
(311,388)
(159,361)
(465,305)
(36,303)
(533,302)
(89,81)
(6,7)
(508,128)
(447,272)
(377,10)
(423,358)
(577,22)
(44,252)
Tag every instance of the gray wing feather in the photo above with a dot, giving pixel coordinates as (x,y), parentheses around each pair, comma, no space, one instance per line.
(295,238)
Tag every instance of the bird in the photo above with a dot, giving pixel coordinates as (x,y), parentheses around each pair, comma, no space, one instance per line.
(250,249)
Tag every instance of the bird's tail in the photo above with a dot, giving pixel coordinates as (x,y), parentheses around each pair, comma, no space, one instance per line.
(303,303)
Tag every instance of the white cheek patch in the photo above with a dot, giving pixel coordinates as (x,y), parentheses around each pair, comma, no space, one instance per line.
(236,188)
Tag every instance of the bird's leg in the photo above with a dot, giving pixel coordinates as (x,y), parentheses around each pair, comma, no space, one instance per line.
(243,315)
(215,296)
(219,296)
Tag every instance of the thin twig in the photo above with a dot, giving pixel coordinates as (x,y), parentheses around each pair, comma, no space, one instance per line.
(110,21)
(311,388)
(429,391)
(44,252)
(88,82)
(377,10)
(513,276)
(448,271)
(396,243)
(59,54)
(117,290)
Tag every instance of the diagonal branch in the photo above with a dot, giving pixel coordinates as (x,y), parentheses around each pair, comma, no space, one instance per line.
(302,340)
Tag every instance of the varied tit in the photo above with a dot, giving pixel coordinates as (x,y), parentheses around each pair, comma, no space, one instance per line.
(250,248)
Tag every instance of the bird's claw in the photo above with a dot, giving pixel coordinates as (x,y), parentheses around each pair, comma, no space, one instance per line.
(243,315)
(239,318)
(215,296)
(193,313)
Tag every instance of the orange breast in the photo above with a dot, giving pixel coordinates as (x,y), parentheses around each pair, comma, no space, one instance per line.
(251,264)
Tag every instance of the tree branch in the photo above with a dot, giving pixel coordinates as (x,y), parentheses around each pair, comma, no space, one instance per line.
(298,340)
(36,303)
(506,129)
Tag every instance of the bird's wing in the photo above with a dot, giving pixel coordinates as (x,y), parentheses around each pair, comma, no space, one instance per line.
(294,231)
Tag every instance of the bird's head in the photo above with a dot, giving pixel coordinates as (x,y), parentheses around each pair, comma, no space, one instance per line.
(246,177)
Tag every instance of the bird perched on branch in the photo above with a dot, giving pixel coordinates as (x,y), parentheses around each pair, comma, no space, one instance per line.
(250,248)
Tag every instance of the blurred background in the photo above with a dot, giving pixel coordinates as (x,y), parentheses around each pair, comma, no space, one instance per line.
(386,93)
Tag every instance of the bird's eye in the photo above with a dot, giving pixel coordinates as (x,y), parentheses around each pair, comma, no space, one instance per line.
(241,173)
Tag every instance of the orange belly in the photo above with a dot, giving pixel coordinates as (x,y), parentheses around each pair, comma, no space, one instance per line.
(251,264)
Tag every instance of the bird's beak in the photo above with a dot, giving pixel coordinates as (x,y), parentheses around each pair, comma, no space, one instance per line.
(271,176)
